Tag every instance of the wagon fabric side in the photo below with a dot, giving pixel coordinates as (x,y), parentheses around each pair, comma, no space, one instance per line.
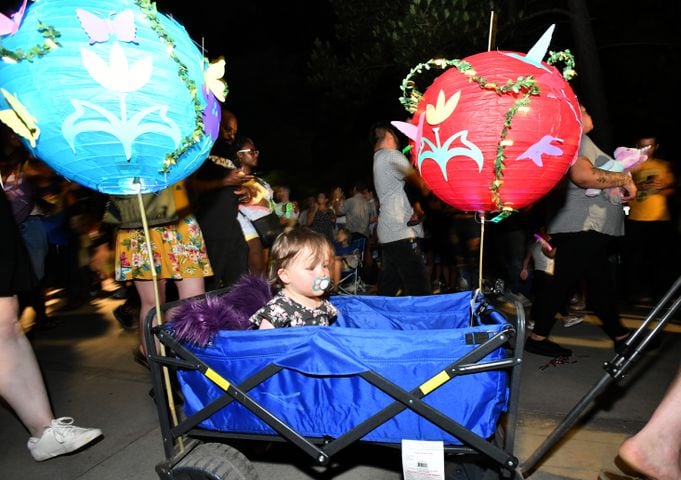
(320,387)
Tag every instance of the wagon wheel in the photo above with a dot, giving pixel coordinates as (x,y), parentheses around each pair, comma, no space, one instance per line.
(214,461)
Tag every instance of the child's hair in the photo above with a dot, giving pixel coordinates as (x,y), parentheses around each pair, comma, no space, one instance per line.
(345,234)
(295,242)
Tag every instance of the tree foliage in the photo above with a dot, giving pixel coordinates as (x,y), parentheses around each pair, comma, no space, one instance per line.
(374,42)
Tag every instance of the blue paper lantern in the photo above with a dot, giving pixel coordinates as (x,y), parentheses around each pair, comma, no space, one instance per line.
(110,93)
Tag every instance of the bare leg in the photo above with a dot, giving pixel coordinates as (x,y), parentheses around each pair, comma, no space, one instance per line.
(21,383)
(190,287)
(145,289)
(187,287)
(655,450)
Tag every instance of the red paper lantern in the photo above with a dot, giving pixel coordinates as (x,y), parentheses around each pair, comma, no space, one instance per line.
(479,148)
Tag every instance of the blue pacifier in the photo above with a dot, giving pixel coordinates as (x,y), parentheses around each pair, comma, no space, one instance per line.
(321,284)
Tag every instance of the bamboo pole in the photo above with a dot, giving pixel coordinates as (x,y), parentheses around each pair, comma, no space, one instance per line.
(157,304)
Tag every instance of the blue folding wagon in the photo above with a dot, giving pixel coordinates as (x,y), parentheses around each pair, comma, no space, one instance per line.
(438,368)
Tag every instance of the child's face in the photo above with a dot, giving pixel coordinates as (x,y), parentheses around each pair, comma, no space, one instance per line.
(341,237)
(306,276)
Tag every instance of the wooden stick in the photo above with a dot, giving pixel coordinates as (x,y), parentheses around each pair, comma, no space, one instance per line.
(157,302)
(491,31)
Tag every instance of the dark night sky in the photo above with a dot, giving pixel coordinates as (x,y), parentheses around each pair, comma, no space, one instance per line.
(266,47)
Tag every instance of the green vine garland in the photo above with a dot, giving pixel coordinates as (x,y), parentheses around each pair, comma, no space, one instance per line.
(568,59)
(149,10)
(525,85)
(37,51)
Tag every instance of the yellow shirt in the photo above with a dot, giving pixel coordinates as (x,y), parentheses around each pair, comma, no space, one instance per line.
(651,205)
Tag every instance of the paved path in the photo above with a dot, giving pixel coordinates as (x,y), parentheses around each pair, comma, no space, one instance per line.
(91,376)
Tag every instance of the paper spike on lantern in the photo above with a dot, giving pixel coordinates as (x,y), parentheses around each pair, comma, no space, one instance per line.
(411,131)
(538,51)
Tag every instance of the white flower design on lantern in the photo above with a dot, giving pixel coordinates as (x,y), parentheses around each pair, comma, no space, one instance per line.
(116,75)
(441,153)
(119,77)
(443,109)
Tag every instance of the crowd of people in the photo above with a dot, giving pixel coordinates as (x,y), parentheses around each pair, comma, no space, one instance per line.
(415,243)
(225,221)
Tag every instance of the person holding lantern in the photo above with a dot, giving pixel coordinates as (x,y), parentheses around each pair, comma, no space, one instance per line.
(582,229)
(19,187)
(402,266)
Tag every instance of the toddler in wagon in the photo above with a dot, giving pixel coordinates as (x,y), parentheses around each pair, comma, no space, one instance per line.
(300,267)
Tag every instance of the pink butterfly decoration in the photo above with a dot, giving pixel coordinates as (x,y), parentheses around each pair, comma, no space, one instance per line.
(121,25)
(10,25)
(542,147)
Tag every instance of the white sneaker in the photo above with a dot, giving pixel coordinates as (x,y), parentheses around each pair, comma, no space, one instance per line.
(61,437)
(572,320)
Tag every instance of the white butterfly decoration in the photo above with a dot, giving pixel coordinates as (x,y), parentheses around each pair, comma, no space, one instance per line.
(120,26)
(213,78)
(19,119)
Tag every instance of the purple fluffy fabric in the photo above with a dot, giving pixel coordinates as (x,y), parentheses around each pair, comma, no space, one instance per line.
(197,322)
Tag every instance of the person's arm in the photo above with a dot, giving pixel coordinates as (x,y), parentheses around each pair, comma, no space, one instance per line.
(338,207)
(235,178)
(417,181)
(659,184)
(585,175)
(265,325)
(311,213)
(524,272)
(338,202)
(261,319)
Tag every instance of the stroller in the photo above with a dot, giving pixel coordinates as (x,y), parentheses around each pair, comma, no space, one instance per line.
(439,368)
(351,258)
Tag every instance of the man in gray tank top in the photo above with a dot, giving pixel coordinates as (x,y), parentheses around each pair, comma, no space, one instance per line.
(582,231)
(402,266)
